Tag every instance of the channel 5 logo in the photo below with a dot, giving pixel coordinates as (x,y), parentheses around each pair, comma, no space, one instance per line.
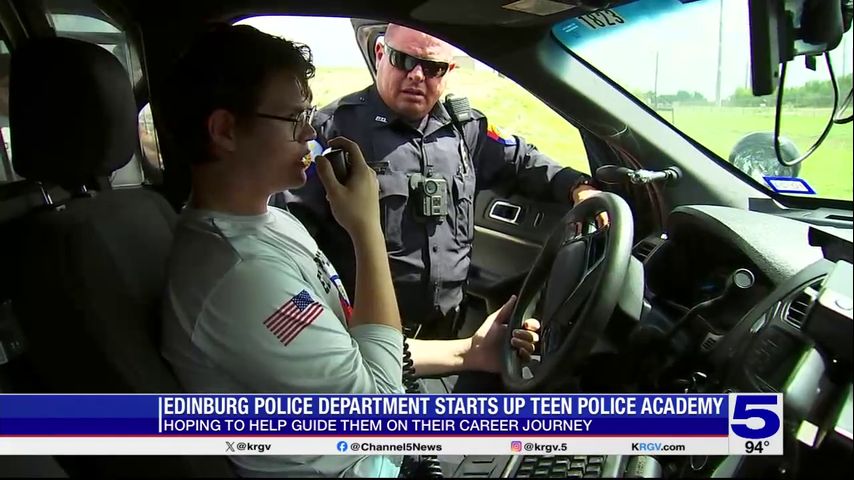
(756,423)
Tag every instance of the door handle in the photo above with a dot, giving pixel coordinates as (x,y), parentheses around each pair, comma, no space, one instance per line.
(505,212)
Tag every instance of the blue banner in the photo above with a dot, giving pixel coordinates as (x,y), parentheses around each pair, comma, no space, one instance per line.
(364,415)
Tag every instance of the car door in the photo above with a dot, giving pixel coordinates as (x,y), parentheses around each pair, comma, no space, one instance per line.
(509,228)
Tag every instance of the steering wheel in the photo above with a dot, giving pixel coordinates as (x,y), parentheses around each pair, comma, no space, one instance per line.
(572,289)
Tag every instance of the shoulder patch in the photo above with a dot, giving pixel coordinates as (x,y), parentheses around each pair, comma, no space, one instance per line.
(495,134)
(355,98)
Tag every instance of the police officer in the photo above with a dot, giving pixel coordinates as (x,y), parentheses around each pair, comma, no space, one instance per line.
(431,159)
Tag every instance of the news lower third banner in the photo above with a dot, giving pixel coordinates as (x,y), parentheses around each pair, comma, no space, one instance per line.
(686,424)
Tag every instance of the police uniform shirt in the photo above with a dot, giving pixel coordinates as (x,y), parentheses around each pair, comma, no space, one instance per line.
(429,260)
(253,306)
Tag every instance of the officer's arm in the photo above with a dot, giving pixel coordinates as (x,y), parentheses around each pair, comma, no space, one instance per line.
(502,157)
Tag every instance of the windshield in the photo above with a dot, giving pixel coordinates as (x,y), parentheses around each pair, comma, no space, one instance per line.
(690,63)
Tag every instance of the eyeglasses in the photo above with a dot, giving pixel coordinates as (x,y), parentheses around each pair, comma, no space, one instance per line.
(301,121)
(406,62)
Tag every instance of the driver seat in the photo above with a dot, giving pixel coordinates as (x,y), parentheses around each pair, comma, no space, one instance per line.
(90,272)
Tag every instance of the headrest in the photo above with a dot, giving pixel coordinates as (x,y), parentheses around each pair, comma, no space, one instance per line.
(71,110)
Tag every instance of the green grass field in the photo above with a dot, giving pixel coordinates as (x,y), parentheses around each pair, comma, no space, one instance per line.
(828,170)
(515,111)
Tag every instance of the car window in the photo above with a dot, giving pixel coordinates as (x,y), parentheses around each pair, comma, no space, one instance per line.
(100,32)
(690,63)
(516,111)
(341,69)
(90,25)
(152,161)
(82,27)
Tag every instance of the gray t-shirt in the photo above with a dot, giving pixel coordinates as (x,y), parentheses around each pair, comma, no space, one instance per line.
(253,306)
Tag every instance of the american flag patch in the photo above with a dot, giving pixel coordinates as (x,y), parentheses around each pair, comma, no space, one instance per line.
(293,317)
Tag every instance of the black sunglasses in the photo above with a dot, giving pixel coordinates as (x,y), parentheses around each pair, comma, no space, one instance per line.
(302,120)
(406,62)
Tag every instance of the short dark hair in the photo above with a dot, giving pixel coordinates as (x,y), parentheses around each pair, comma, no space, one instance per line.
(225,68)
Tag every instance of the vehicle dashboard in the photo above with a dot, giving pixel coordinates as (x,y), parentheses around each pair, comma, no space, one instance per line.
(769,337)
(705,245)
(756,339)
(690,272)
(777,247)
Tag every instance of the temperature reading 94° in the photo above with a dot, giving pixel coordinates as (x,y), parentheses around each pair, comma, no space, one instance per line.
(757,446)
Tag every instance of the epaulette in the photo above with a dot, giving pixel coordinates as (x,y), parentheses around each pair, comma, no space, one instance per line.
(355,98)
(352,99)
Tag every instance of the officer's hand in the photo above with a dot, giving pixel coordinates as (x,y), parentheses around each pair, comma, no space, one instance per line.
(356,204)
(583,192)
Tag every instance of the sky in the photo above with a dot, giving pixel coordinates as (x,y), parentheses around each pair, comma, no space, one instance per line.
(332,40)
(687,49)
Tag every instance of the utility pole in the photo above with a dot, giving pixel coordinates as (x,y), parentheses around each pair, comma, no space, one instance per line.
(655,85)
(845,50)
(720,53)
(747,74)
